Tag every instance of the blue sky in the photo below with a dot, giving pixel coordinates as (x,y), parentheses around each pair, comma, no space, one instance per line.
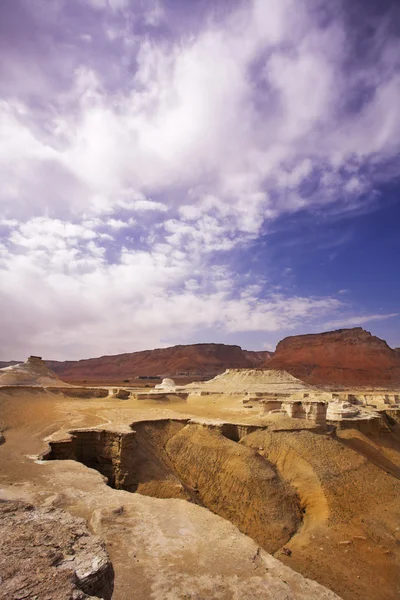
(178,172)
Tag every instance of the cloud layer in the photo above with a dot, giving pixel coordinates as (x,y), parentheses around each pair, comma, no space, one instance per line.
(144,144)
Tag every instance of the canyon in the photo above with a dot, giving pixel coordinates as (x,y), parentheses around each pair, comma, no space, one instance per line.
(259,482)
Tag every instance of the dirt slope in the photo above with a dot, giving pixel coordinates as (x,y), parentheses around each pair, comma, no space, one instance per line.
(197,359)
(234,482)
(350,533)
(349,357)
(251,380)
(33,372)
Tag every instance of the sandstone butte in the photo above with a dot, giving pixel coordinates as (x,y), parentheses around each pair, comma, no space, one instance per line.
(347,357)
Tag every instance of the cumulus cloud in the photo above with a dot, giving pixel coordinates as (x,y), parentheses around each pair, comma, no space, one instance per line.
(151,145)
(62,298)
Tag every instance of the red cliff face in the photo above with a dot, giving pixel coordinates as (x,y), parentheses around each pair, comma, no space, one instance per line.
(349,357)
(205,360)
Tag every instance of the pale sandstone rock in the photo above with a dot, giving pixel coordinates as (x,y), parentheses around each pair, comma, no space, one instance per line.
(341,410)
(33,372)
(241,381)
(314,411)
(165,384)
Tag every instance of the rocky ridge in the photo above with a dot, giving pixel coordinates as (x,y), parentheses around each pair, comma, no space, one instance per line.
(205,360)
(347,357)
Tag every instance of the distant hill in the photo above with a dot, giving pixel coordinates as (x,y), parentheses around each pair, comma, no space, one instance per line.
(343,357)
(9,363)
(196,360)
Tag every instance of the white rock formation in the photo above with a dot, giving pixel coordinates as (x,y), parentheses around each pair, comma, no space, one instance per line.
(341,410)
(251,381)
(310,410)
(33,372)
(165,384)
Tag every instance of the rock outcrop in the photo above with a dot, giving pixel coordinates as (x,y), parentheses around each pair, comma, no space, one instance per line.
(47,553)
(33,372)
(204,360)
(347,357)
(166,384)
(248,381)
(341,410)
(313,411)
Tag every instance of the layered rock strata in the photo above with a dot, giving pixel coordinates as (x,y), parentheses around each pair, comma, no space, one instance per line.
(202,360)
(33,372)
(346,357)
(196,462)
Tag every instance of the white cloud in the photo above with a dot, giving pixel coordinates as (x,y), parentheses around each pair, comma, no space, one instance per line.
(119,223)
(207,138)
(357,321)
(195,115)
(155,13)
(81,305)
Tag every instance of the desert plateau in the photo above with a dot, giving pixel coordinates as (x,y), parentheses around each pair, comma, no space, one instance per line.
(251,484)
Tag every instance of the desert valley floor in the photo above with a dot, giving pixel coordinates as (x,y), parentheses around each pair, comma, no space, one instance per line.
(214,499)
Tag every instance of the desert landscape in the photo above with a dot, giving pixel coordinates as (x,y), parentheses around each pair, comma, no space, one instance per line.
(268,475)
(199,300)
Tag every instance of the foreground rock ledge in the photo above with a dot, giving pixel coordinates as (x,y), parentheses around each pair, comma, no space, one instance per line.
(46,554)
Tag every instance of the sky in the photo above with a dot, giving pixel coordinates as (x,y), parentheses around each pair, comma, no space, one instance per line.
(187,171)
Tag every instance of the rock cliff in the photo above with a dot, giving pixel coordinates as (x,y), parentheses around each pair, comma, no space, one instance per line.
(205,360)
(348,357)
(196,462)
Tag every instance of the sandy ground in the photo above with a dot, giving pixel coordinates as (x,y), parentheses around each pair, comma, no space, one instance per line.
(348,486)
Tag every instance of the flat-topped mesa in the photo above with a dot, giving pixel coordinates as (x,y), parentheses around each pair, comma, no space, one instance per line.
(33,372)
(345,357)
(250,381)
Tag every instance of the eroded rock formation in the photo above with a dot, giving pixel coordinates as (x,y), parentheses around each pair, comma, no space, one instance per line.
(33,372)
(349,357)
(165,384)
(309,410)
(251,381)
(196,462)
(307,495)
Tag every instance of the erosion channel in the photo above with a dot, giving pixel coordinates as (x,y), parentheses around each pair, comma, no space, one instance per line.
(212,466)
